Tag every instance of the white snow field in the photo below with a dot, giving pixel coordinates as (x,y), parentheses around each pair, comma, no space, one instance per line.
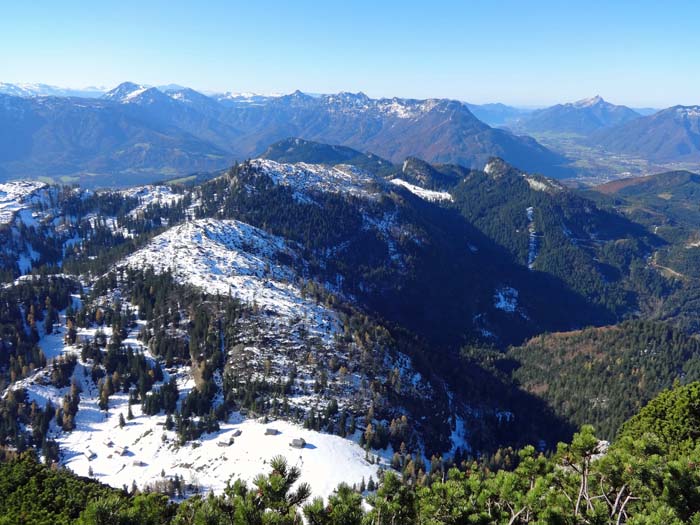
(209,462)
(428,195)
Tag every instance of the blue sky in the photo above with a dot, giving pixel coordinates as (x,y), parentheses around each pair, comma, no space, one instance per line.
(518,52)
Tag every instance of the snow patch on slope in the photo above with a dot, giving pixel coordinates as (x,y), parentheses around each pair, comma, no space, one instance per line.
(209,462)
(536,185)
(428,195)
(506,299)
(542,184)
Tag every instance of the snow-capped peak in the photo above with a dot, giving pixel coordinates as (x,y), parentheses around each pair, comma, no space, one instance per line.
(589,102)
(125,92)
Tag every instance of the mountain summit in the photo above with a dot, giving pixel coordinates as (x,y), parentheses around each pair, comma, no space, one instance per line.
(582,117)
(589,102)
(124,92)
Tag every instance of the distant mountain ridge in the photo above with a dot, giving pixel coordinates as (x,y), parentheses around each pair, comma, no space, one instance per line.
(294,150)
(25,89)
(672,134)
(581,117)
(136,133)
(437,130)
(110,143)
(497,114)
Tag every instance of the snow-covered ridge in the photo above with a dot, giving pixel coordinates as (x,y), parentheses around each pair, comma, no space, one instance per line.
(357,103)
(429,195)
(230,257)
(244,97)
(304,178)
(17,196)
(405,109)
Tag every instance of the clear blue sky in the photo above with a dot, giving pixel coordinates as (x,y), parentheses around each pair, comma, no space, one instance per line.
(520,52)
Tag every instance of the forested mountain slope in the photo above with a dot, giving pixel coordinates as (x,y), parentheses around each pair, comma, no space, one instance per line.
(365,311)
(602,376)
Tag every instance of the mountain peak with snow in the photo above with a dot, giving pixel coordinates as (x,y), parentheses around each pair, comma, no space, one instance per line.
(589,102)
(125,92)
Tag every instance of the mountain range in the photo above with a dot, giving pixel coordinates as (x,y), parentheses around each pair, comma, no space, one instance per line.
(670,135)
(137,133)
